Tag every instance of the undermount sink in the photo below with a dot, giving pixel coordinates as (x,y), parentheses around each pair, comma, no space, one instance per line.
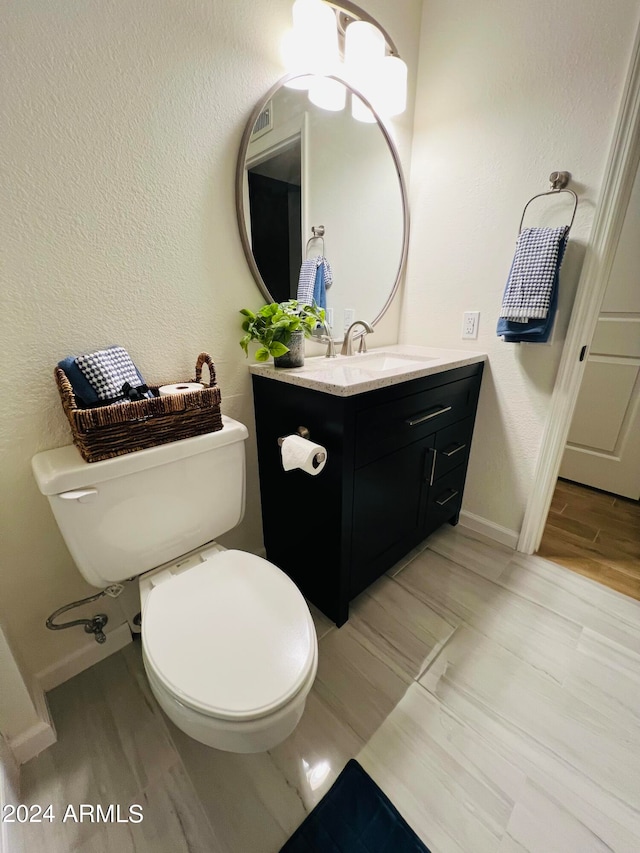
(380,361)
(372,363)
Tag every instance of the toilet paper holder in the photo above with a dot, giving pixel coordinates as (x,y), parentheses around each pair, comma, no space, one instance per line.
(319,458)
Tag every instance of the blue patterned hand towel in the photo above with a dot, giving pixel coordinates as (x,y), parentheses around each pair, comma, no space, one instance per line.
(536,330)
(105,376)
(536,263)
(306,281)
(315,279)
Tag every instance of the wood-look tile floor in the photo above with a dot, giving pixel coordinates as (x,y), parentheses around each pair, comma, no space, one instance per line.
(596,534)
(494,697)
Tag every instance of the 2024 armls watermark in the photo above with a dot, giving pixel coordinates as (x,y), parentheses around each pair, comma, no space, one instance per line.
(72,813)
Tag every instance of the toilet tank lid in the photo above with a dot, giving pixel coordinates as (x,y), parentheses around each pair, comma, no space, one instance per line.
(63,469)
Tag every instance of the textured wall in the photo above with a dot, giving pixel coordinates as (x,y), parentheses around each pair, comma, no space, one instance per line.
(508,91)
(120,127)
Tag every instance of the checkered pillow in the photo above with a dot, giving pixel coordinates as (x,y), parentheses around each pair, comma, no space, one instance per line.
(107,371)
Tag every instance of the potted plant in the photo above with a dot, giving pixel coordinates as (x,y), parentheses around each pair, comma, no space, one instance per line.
(280,328)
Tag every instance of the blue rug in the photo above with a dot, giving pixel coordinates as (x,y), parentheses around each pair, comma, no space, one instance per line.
(354,816)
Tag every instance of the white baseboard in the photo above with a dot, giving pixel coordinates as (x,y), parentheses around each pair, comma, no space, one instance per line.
(9,772)
(487,528)
(9,791)
(37,737)
(33,741)
(84,657)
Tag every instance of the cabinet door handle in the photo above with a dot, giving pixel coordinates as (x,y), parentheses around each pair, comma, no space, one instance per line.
(455,449)
(444,501)
(420,419)
(433,466)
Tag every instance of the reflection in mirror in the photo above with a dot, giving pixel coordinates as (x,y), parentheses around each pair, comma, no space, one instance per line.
(275,216)
(301,167)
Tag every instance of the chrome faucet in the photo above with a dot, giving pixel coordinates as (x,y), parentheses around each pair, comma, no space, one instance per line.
(327,339)
(347,344)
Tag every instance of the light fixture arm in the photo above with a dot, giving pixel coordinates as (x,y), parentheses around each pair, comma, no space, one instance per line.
(360,15)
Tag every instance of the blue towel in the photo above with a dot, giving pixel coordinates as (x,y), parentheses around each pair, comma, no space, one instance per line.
(310,284)
(104,377)
(537,258)
(319,289)
(537,330)
(86,394)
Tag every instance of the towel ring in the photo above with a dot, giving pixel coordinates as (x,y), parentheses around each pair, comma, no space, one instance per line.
(559,181)
(317,233)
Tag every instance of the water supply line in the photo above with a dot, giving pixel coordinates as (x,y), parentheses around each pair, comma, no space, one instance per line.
(91,626)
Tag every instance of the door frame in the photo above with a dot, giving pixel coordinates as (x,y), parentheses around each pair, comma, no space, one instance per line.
(264,148)
(622,165)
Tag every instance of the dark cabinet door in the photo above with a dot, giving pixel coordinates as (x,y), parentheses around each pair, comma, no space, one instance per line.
(389,508)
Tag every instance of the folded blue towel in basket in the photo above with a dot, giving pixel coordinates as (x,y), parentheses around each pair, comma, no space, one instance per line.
(105,376)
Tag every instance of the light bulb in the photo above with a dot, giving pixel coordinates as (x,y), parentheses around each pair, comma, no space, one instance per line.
(364,53)
(360,111)
(294,60)
(364,43)
(312,46)
(391,99)
(327,93)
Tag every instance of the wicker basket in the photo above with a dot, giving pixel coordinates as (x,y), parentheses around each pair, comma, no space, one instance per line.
(106,431)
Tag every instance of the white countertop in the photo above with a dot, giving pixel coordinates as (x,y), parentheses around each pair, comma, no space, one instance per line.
(345,376)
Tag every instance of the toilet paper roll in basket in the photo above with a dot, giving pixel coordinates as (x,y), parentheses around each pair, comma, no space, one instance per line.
(299,452)
(180,388)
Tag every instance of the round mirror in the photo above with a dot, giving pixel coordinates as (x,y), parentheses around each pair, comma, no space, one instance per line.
(312,183)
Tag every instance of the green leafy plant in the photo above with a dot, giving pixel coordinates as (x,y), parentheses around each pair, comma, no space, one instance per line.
(273,325)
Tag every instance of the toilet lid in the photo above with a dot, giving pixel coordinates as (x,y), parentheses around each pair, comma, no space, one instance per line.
(231,637)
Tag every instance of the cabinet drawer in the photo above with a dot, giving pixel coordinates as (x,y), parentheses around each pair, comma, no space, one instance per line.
(385,428)
(445,497)
(452,447)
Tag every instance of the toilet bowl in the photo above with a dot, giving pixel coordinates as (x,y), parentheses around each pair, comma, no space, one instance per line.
(229,649)
(229,646)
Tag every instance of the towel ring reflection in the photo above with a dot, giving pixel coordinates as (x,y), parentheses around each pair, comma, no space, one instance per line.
(559,181)
(317,233)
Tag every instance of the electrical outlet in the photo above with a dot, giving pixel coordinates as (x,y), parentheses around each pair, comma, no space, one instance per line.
(349,317)
(470,322)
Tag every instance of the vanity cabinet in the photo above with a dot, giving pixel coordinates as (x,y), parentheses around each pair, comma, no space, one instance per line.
(396,466)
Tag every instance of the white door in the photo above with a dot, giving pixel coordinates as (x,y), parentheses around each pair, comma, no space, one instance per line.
(603,448)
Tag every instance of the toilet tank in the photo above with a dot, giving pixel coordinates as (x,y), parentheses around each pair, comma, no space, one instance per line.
(131,513)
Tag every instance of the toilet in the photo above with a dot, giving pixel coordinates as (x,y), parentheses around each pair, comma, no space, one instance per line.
(228,643)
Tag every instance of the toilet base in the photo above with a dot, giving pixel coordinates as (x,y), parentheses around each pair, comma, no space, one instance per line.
(244,736)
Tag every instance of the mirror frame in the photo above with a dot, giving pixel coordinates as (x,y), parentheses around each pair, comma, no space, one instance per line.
(240,207)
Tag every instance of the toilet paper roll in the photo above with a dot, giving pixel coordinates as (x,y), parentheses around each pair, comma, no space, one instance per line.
(180,388)
(299,452)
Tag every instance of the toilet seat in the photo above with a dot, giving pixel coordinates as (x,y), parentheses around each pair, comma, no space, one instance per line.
(230,637)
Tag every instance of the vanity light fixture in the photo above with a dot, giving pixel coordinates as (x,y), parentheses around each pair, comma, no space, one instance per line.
(331,40)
